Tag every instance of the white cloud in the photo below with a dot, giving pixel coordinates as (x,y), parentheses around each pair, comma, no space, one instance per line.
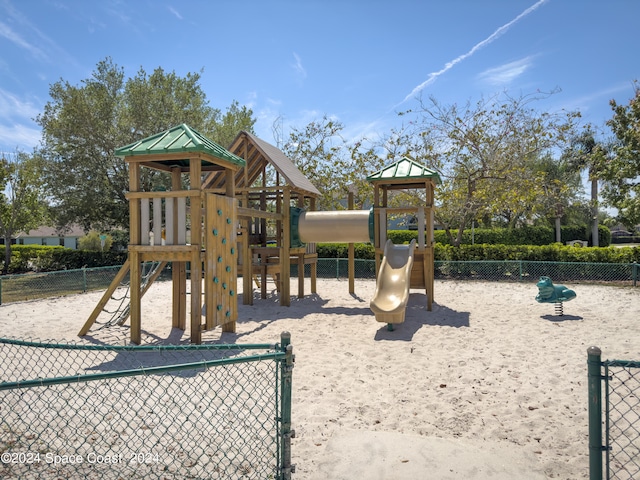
(432,77)
(597,97)
(19,136)
(27,35)
(175,13)
(298,68)
(11,106)
(505,74)
(15,38)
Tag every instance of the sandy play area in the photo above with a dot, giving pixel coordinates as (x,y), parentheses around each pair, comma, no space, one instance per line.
(490,384)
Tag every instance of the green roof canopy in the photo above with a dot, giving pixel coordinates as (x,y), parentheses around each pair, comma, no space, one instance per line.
(404,171)
(164,149)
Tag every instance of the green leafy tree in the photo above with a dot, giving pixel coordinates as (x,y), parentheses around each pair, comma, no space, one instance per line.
(484,154)
(22,198)
(621,171)
(587,153)
(83,125)
(331,163)
(560,186)
(92,241)
(226,126)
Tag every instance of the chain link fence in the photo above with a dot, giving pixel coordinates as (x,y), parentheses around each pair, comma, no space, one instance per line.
(169,412)
(42,285)
(497,270)
(30,286)
(620,381)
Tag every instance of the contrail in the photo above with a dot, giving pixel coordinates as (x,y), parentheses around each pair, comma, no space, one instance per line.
(449,65)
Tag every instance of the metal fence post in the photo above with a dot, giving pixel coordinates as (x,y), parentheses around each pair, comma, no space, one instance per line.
(84,279)
(520,266)
(634,273)
(595,412)
(285,391)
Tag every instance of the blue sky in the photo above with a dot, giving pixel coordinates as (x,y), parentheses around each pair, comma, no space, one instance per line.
(358,61)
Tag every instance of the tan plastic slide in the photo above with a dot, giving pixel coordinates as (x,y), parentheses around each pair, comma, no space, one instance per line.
(394,280)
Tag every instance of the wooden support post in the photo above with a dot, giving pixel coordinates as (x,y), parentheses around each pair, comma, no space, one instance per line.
(301,275)
(314,265)
(429,257)
(178,269)
(195,173)
(285,262)
(352,255)
(196,297)
(134,289)
(300,256)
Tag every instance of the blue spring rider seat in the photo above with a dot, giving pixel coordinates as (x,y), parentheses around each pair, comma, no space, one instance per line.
(550,293)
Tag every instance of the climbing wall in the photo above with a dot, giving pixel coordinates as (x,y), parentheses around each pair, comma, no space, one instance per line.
(221,270)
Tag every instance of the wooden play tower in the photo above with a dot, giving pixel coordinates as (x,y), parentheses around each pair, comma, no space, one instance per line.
(407,174)
(267,188)
(185,226)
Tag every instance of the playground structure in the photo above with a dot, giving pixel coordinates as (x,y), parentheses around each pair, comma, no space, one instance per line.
(249,210)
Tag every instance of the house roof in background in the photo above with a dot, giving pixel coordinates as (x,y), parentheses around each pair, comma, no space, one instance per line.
(72,231)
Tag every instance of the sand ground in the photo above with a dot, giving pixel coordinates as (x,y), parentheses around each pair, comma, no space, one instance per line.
(489,384)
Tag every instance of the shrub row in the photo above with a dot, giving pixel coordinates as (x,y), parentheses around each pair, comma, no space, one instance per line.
(25,258)
(510,236)
(38,258)
(544,253)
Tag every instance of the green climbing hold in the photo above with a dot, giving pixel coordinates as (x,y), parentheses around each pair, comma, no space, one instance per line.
(219,259)
(215,232)
(228,269)
(219,212)
(233,251)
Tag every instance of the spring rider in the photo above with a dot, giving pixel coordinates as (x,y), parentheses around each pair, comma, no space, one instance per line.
(550,293)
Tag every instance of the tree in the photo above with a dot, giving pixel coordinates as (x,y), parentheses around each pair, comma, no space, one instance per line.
(560,185)
(586,153)
(621,171)
(330,162)
(95,242)
(484,155)
(83,125)
(22,199)
(226,127)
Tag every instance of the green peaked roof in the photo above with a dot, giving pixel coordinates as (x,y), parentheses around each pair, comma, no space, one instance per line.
(404,169)
(179,139)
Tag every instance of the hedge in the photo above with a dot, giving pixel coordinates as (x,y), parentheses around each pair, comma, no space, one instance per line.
(510,236)
(40,258)
(25,258)
(544,253)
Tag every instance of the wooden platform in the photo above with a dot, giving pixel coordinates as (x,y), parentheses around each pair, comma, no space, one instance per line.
(417,272)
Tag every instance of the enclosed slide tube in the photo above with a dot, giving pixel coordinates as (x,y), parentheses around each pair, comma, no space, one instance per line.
(341,226)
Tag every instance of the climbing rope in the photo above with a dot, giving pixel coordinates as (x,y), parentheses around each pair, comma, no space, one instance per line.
(121,313)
